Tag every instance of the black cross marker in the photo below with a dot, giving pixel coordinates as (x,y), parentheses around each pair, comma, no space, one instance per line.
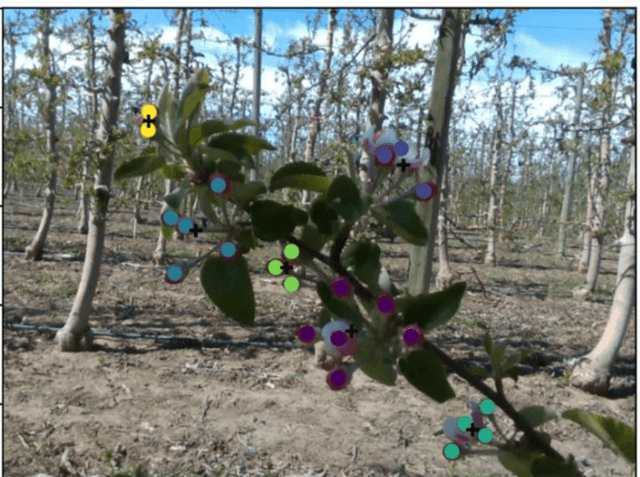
(195,229)
(148,121)
(351,331)
(403,164)
(473,430)
(286,268)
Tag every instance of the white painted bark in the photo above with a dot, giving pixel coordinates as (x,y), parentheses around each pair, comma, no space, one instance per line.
(76,334)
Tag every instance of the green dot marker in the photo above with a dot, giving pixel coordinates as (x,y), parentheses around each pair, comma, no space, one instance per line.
(485,435)
(291,251)
(464,423)
(451,451)
(291,284)
(487,406)
(275,267)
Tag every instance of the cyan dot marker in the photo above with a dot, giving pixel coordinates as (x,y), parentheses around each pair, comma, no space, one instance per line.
(174,273)
(228,249)
(218,185)
(451,451)
(185,225)
(170,218)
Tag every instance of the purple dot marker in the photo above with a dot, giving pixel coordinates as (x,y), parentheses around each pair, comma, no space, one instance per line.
(338,338)
(337,379)
(386,304)
(306,333)
(413,335)
(341,287)
(401,148)
(426,190)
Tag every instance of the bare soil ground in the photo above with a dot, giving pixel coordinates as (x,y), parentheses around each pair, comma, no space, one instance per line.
(133,407)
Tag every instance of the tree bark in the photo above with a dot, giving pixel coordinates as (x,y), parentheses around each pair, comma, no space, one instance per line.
(444,83)
(76,334)
(566,200)
(593,372)
(490,257)
(254,174)
(446,276)
(314,124)
(35,249)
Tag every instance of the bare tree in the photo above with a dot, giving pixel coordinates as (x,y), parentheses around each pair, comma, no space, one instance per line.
(566,201)
(593,372)
(34,250)
(76,334)
(442,91)
(314,125)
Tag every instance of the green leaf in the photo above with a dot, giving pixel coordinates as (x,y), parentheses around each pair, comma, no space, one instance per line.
(488,344)
(241,194)
(273,221)
(376,362)
(246,240)
(478,372)
(173,171)
(231,169)
(546,466)
(205,129)
(537,415)
(402,218)
(194,92)
(364,258)
(324,216)
(139,166)
(339,308)
(312,237)
(241,145)
(519,463)
(616,435)
(228,284)
(300,175)
(206,199)
(167,232)
(435,309)
(425,372)
(496,359)
(344,197)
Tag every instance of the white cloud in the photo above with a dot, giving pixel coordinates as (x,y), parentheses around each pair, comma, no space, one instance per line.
(550,56)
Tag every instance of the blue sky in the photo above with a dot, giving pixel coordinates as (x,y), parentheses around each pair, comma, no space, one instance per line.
(551,37)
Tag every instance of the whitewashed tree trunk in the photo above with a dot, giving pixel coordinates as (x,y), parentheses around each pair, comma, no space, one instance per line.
(76,334)
(490,257)
(34,250)
(451,36)
(446,276)
(593,372)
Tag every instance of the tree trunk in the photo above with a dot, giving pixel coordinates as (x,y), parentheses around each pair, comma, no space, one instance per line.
(490,257)
(314,124)
(445,277)
(566,201)
(76,334)
(593,372)
(254,174)
(503,236)
(159,254)
(585,257)
(34,250)
(444,81)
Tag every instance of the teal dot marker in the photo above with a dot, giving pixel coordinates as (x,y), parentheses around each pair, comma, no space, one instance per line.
(464,423)
(228,249)
(174,274)
(218,185)
(185,225)
(451,451)
(485,435)
(170,218)
(487,406)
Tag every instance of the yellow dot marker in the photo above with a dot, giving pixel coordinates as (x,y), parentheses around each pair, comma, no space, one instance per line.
(149,114)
